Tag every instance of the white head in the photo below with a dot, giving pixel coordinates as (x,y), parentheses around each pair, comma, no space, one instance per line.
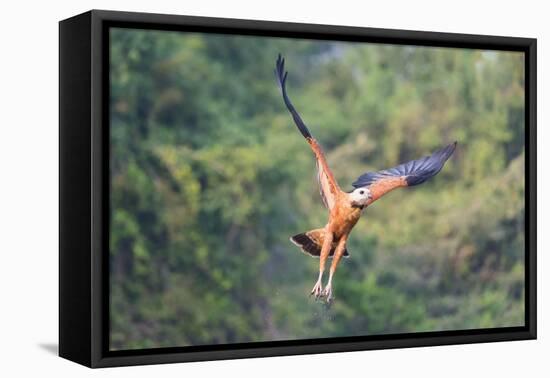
(360,196)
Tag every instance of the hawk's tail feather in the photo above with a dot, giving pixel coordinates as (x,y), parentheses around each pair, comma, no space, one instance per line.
(311,242)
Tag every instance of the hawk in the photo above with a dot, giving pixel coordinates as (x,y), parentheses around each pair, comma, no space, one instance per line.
(345,208)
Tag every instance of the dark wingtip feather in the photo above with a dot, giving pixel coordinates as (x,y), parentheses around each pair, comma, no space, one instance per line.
(279,69)
(415,172)
(281,76)
(433,165)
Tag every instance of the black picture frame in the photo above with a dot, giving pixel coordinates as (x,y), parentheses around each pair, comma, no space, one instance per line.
(84,188)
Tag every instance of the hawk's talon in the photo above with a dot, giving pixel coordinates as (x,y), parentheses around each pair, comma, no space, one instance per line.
(317,290)
(327,293)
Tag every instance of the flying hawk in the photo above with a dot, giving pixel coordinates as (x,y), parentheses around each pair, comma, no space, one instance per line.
(345,208)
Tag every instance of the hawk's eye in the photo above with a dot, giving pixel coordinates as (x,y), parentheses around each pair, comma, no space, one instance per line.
(362,192)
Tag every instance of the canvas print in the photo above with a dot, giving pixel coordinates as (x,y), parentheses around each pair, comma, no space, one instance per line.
(245,178)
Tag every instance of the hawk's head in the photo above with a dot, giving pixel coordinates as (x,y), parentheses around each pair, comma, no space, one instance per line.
(360,197)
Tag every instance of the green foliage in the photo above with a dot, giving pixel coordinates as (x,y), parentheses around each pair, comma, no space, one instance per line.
(209,179)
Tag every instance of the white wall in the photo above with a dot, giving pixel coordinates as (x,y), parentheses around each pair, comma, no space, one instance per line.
(29,174)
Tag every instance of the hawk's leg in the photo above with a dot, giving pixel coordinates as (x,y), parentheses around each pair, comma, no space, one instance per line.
(325,250)
(338,253)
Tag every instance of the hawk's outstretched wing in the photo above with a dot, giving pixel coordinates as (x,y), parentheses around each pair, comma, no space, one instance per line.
(408,174)
(327,184)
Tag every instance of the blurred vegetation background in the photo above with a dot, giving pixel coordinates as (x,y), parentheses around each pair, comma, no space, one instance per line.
(210,178)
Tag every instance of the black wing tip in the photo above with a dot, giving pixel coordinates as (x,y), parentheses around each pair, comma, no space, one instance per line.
(447,151)
(436,162)
(280,73)
(453,145)
(281,76)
